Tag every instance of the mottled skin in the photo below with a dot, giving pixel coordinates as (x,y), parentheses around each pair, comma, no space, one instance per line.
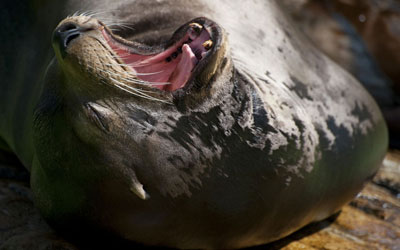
(277,138)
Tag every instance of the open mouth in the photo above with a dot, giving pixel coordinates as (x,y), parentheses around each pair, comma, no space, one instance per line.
(174,66)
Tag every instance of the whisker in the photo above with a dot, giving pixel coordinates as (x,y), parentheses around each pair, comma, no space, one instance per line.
(137,81)
(122,26)
(91,13)
(136,64)
(144,82)
(149,73)
(130,92)
(136,92)
(84,13)
(131,80)
(112,20)
(134,81)
(139,74)
(100,12)
(76,13)
(118,26)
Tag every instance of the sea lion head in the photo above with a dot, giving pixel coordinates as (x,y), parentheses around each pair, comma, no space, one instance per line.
(100,125)
(88,51)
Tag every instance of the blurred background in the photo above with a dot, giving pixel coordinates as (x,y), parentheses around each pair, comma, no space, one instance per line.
(363,36)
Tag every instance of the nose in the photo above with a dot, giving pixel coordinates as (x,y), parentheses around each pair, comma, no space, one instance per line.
(64,34)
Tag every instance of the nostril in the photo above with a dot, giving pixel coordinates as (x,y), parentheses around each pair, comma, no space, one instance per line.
(65,33)
(70,38)
(67,27)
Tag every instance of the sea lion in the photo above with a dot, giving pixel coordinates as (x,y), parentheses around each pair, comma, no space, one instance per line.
(194,125)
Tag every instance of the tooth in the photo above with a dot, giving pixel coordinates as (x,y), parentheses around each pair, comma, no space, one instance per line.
(207,44)
(196,27)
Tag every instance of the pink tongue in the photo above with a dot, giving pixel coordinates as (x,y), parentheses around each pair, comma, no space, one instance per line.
(183,71)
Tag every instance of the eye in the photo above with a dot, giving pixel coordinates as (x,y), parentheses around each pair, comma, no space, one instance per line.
(96,115)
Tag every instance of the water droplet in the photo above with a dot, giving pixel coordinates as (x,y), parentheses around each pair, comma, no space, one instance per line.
(362,18)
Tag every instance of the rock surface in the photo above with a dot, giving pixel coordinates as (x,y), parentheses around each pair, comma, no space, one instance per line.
(370,221)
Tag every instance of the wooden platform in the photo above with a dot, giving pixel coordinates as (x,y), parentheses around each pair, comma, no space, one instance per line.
(370,221)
